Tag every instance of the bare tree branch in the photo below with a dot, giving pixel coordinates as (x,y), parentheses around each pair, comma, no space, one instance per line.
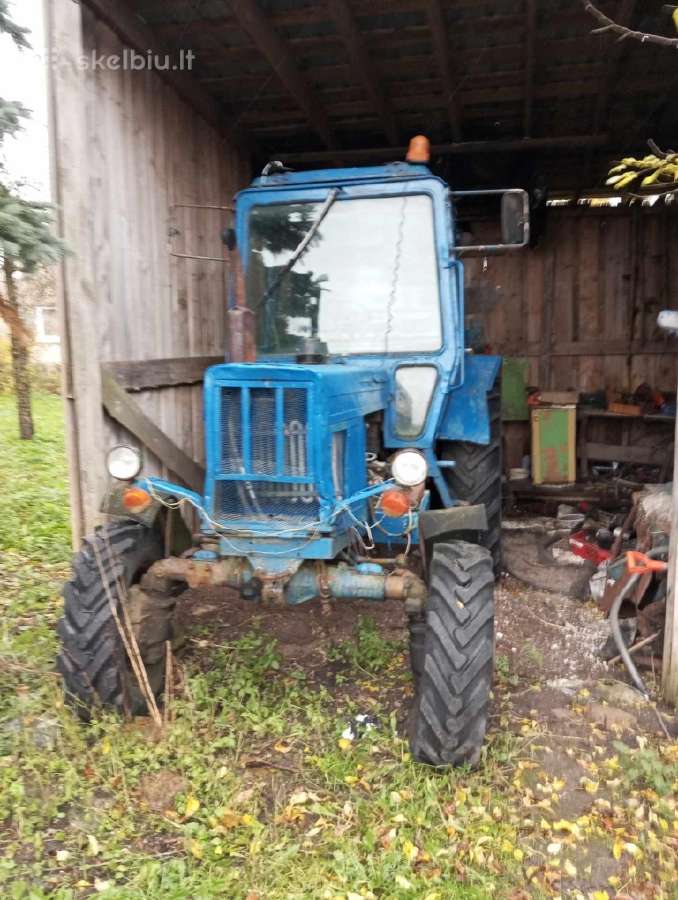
(608,24)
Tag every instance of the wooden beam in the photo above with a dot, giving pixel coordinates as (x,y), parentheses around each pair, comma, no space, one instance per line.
(70,150)
(670,658)
(127,412)
(572,142)
(441,51)
(643,455)
(360,60)
(144,374)
(625,11)
(135,34)
(530,32)
(269,43)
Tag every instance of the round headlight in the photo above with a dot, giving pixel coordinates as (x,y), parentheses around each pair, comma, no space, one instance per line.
(123,462)
(409,468)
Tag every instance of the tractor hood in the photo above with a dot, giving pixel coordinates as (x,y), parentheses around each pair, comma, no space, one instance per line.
(286,442)
(348,390)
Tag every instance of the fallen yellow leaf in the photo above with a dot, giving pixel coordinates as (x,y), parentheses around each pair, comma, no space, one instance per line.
(589,786)
(192,806)
(196,849)
(411,852)
(229,819)
(617,848)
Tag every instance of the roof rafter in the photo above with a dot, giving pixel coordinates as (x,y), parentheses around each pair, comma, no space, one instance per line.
(269,43)
(441,50)
(347,27)
(530,33)
(568,142)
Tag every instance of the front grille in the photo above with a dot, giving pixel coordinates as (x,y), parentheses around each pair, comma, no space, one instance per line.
(262,500)
(264,435)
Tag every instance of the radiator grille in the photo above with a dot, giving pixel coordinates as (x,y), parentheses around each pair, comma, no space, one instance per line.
(267,500)
(276,421)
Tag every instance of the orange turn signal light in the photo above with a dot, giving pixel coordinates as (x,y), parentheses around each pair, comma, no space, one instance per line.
(136,499)
(419,150)
(395,503)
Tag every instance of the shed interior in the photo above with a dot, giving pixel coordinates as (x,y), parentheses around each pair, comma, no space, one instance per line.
(510,94)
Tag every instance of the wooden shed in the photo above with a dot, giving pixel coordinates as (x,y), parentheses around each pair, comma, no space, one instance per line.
(146,162)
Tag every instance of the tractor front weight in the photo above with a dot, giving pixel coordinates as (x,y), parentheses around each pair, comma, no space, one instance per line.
(293,581)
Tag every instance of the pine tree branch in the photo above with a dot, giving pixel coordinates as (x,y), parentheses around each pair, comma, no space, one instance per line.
(608,24)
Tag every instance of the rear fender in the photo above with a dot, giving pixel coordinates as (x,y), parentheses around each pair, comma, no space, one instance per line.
(465,415)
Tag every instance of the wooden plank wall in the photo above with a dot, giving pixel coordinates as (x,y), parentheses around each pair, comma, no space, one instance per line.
(147,151)
(583,305)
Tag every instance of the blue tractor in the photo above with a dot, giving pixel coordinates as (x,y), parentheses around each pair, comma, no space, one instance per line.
(352,451)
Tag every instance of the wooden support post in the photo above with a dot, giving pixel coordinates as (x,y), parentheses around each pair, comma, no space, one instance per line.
(77,300)
(670,661)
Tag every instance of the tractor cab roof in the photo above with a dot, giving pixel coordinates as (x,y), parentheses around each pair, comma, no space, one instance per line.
(396,171)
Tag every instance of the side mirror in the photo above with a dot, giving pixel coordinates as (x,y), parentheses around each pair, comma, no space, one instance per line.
(228,238)
(515,218)
(507,211)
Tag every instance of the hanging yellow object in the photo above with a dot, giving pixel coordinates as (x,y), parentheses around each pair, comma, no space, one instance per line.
(674,16)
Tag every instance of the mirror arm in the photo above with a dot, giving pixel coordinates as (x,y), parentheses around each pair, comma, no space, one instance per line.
(488,249)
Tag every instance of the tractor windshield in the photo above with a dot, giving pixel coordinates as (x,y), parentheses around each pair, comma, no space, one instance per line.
(367,281)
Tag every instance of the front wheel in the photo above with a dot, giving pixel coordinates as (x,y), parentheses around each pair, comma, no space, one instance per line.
(93,661)
(452,653)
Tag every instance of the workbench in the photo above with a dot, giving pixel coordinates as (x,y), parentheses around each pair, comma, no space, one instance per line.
(659,453)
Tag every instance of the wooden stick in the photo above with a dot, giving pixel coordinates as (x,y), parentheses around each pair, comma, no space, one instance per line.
(128,639)
(169,682)
(643,643)
(670,658)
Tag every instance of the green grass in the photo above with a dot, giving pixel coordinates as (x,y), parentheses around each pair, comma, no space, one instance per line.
(270,803)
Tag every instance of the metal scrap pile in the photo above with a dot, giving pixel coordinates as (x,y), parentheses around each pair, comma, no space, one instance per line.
(639,581)
(583,552)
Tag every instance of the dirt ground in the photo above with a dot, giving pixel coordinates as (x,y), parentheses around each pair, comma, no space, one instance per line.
(547,655)
(549,673)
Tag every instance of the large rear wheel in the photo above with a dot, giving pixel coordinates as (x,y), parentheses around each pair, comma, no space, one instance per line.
(93,660)
(476,475)
(452,653)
